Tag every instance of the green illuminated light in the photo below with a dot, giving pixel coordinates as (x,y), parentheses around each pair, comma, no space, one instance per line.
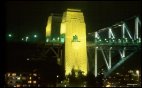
(10,35)
(27,38)
(35,36)
(62,40)
(53,39)
(47,40)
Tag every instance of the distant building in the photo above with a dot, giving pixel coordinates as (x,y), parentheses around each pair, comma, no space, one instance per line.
(22,79)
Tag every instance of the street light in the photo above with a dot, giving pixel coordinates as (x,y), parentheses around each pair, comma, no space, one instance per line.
(10,35)
(22,39)
(58,38)
(35,36)
(47,40)
(27,38)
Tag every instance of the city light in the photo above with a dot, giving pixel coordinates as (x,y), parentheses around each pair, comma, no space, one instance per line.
(18,78)
(8,74)
(35,74)
(108,85)
(30,77)
(84,86)
(29,81)
(137,71)
(14,74)
(28,59)
(18,85)
(34,82)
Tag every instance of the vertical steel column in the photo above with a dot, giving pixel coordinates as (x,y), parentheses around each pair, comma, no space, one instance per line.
(120,54)
(123,30)
(96,61)
(136,28)
(123,33)
(128,31)
(105,58)
(110,57)
(123,52)
(96,37)
(109,35)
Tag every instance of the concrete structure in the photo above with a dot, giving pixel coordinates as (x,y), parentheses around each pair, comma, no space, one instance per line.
(53,27)
(74,29)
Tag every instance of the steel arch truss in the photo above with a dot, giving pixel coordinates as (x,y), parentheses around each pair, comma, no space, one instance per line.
(121,39)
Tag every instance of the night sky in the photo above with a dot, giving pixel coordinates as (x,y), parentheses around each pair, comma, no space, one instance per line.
(24,18)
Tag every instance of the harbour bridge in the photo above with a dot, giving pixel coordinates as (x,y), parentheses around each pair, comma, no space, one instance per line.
(122,39)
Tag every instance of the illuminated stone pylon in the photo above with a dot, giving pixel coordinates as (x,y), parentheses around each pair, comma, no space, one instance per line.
(48,27)
(74,29)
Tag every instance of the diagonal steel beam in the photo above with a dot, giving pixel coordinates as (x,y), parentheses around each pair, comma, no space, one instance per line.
(118,64)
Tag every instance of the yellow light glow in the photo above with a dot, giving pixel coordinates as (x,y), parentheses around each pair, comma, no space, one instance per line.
(34,74)
(30,77)
(75,52)
(63,25)
(13,74)
(137,71)
(18,78)
(23,78)
(8,74)
(29,81)
(34,82)
(63,28)
(48,27)
(18,85)
(108,85)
